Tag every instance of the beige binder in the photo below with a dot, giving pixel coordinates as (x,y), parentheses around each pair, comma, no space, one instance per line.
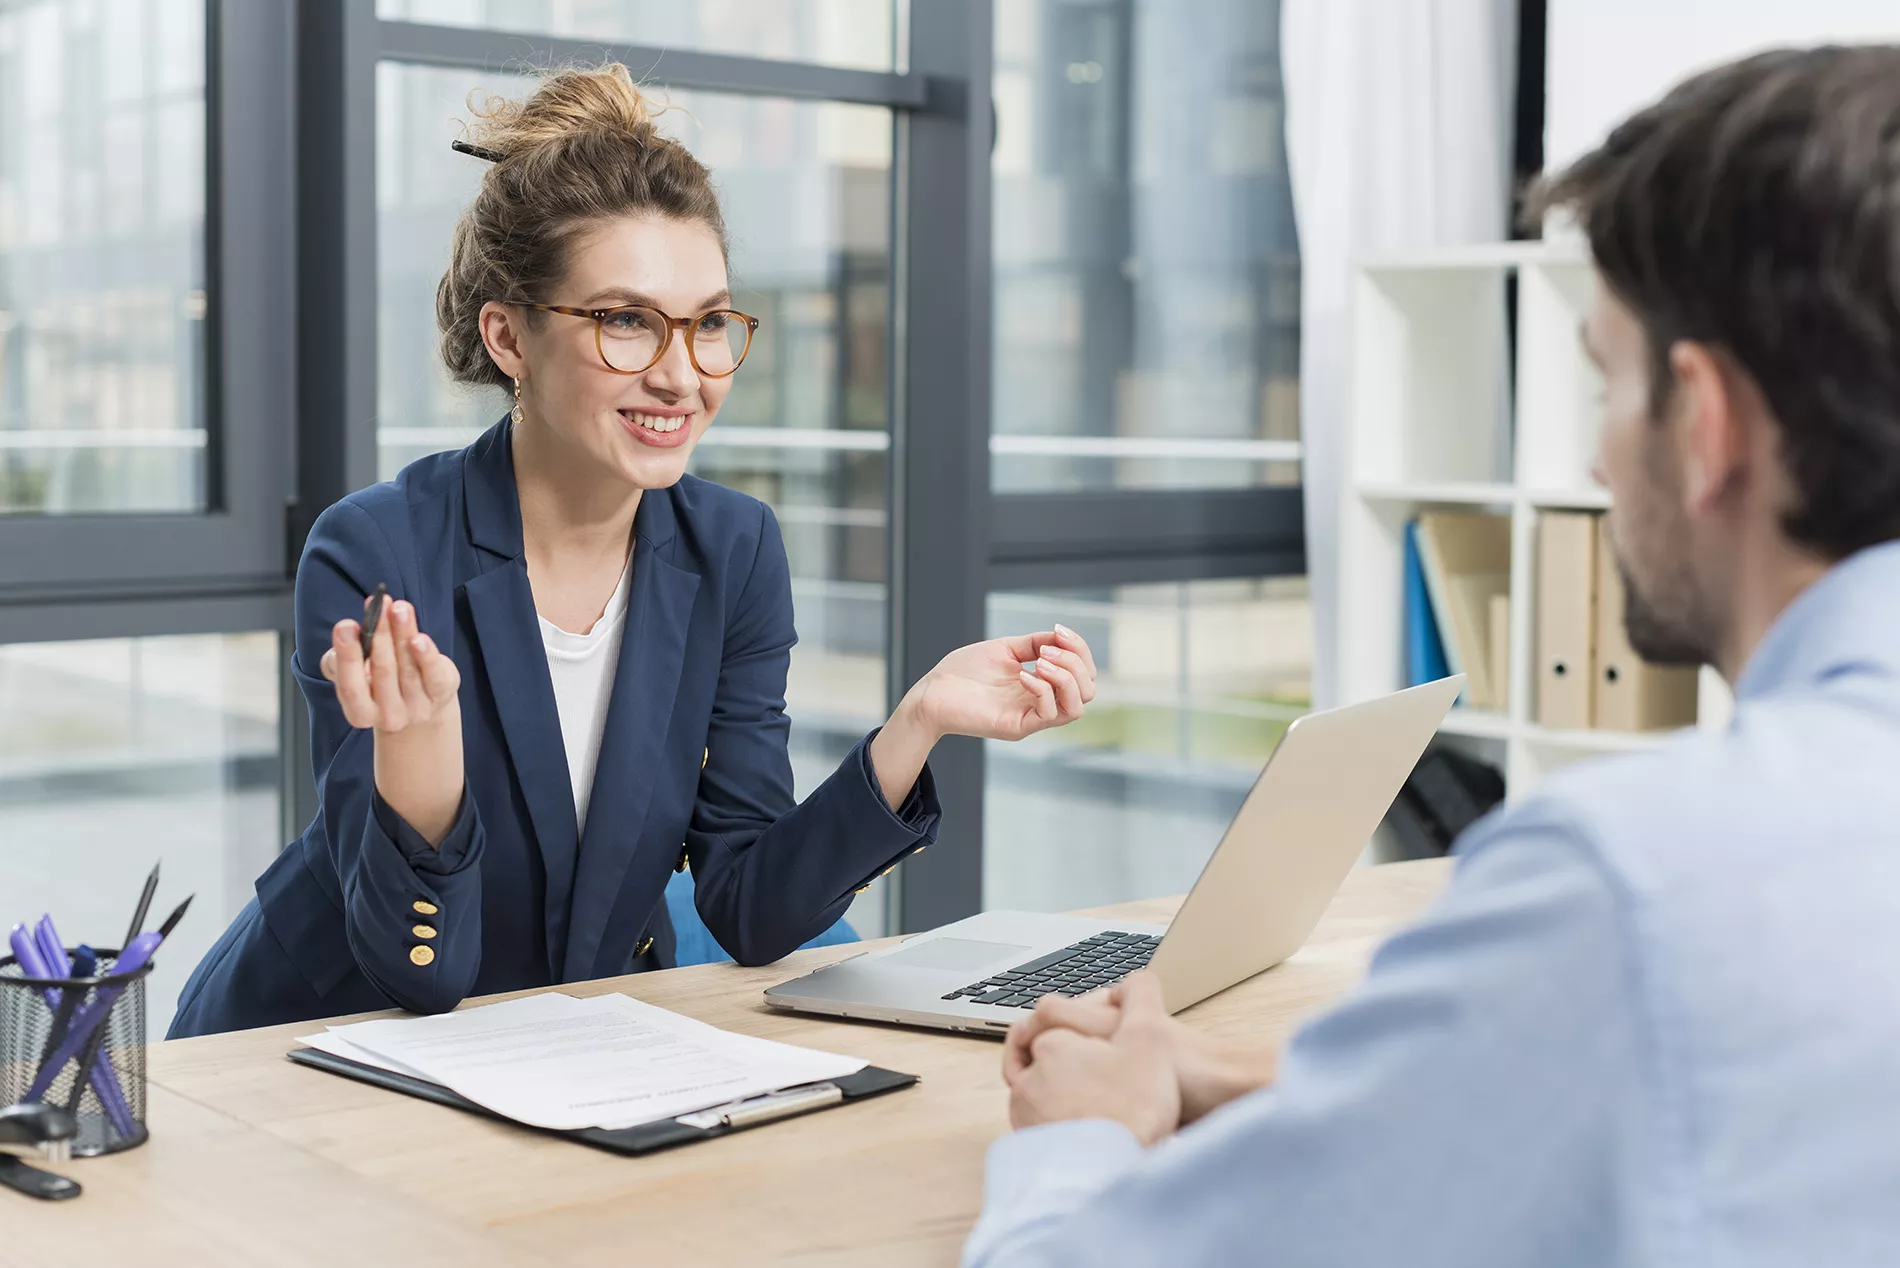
(1470,554)
(1566,617)
(1501,650)
(1631,694)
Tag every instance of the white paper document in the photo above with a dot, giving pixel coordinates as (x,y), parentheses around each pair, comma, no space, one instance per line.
(558,1062)
(338,1047)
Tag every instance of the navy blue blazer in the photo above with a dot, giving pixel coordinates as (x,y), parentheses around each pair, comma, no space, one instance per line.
(361,913)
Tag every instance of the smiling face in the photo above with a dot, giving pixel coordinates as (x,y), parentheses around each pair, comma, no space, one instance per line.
(638,428)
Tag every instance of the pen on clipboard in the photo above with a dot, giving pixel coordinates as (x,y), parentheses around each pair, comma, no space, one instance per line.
(377,602)
(763,1109)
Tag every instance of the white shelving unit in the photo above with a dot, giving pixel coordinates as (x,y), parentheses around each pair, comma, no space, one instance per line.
(1434,423)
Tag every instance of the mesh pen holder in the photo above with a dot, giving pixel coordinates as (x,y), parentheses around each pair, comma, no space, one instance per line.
(109,1098)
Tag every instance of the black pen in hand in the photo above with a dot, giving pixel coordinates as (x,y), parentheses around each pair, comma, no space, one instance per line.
(377,602)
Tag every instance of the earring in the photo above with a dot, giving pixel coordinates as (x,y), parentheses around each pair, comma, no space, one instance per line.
(514,415)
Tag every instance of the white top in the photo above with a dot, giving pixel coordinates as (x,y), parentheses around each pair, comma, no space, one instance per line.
(582,667)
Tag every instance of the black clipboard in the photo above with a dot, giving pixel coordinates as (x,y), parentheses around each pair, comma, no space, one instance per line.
(644,1139)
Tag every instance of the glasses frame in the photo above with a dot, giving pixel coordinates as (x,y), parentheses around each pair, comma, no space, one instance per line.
(668,322)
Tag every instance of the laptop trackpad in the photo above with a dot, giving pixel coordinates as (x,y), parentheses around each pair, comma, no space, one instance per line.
(953,953)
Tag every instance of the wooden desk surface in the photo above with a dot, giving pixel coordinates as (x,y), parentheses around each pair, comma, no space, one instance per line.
(256,1161)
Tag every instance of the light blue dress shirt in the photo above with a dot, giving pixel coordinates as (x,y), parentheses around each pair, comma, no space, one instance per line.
(1654,1019)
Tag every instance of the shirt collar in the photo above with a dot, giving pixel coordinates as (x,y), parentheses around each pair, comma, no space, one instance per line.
(1849,619)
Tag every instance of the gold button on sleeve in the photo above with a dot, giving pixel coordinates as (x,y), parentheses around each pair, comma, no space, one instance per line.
(423,931)
(423,956)
(426,909)
(681,865)
(646,945)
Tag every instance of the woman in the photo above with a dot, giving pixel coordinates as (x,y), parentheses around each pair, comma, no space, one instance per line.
(578,682)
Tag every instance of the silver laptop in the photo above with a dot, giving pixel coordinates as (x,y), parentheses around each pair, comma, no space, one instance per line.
(1327,785)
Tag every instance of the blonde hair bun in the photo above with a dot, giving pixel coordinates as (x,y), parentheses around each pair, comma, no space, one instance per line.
(568,102)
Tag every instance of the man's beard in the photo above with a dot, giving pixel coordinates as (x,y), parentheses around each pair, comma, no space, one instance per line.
(1665,615)
(1674,637)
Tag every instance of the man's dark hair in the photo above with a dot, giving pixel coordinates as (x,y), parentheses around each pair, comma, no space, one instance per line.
(1756,208)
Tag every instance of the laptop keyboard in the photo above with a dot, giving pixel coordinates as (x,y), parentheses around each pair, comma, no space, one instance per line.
(1076,969)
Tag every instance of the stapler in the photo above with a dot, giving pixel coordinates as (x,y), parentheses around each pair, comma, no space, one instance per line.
(47,1128)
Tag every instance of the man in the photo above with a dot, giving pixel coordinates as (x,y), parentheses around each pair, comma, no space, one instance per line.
(1656,1016)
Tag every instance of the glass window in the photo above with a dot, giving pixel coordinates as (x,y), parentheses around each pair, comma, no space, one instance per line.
(119,753)
(102,282)
(864,34)
(1147,279)
(806,194)
(1196,682)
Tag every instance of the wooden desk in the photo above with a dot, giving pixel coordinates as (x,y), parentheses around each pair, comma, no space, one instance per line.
(256,1161)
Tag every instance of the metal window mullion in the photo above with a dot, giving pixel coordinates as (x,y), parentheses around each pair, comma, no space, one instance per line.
(479,48)
(940,475)
(336,252)
(252,217)
(335,309)
(96,616)
(1108,572)
(1138,522)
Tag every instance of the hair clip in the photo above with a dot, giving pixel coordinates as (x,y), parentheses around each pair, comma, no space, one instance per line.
(480,152)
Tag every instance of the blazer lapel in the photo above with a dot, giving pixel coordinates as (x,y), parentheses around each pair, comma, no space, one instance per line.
(633,744)
(501,603)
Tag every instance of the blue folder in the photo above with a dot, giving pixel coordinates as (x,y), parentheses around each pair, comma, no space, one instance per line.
(1424,645)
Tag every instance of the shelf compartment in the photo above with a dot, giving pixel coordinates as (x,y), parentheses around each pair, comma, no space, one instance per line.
(1593,741)
(1448,493)
(1569,499)
(1439,409)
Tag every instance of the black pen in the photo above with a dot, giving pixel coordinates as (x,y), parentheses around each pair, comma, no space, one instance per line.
(171,921)
(145,905)
(377,602)
(89,1052)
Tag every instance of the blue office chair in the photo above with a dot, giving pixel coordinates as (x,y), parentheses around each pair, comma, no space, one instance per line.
(694,942)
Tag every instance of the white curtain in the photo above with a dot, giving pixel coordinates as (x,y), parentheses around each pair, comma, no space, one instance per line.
(1399,128)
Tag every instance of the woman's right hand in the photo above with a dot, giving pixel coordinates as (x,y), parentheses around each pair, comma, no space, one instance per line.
(405,683)
(406,693)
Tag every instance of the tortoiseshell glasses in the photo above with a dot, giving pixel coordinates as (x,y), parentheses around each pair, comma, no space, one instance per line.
(633,337)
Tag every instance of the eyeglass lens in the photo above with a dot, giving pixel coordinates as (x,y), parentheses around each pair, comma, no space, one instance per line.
(631,340)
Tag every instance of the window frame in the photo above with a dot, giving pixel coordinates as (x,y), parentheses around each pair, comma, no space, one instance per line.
(100,575)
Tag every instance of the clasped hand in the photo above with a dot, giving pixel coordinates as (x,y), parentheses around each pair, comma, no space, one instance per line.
(1118,1055)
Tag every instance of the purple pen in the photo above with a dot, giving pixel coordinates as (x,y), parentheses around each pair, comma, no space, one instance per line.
(93,1015)
(25,951)
(52,950)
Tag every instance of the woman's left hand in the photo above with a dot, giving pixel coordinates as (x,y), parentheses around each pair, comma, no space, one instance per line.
(983,689)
